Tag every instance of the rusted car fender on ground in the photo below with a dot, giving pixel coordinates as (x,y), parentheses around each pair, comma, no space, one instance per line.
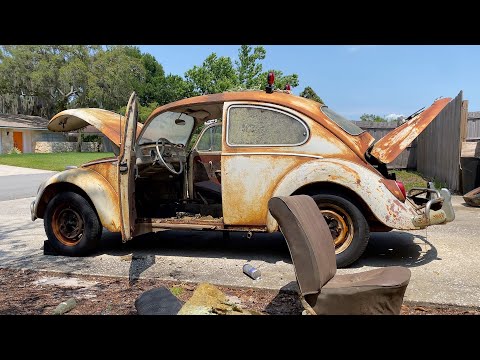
(472,198)
(365,183)
(95,186)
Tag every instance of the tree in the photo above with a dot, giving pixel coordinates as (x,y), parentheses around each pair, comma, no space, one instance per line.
(248,69)
(114,74)
(173,88)
(55,74)
(216,75)
(154,77)
(372,117)
(309,93)
(65,76)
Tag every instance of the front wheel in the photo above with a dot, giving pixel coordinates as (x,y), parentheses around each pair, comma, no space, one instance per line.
(72,225)
(347,225)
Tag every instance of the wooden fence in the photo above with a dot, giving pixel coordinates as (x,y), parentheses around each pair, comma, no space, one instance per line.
(439,145)
(473,129)
(407,159)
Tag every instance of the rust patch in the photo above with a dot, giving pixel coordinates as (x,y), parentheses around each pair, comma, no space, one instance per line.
(392,186)
(472,198)
(107,168)
(391,145)
(107,122)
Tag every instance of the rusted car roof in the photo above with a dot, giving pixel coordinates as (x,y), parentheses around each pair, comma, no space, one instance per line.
(359,144)
(109,123)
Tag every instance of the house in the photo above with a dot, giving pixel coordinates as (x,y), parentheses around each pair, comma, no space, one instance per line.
(23,131)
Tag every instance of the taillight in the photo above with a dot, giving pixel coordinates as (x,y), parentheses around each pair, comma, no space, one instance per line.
(396,188)
(402,188)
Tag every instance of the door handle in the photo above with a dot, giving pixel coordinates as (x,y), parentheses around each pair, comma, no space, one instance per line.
(211,165)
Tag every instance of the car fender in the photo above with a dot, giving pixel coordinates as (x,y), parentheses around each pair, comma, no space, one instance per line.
(102,195)
(361,180)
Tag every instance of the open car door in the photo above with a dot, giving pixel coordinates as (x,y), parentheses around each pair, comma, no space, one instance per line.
(126,170)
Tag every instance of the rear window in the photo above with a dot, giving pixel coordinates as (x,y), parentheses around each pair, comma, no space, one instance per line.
(344,123)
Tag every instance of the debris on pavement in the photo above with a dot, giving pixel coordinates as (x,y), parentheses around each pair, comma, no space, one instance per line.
(251,272)
(207,299)
(65,307)
(115,296)
(158,301)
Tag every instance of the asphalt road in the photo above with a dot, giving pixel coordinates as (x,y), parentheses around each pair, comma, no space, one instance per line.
(20,186)
(444,259)
(18,183)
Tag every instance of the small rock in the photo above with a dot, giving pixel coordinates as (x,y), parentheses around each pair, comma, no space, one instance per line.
(234,300)
(65,307)
(419,308)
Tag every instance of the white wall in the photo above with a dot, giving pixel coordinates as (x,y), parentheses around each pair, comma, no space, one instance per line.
(27,141)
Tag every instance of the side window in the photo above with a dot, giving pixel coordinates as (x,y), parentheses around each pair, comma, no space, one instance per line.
(211,139)
(262,126)
(217,138)
(205,142)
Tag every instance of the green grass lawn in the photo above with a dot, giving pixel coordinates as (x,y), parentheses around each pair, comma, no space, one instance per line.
(414,179)
(53,161)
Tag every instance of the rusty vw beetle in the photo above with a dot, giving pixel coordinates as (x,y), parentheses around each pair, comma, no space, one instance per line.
(255,145)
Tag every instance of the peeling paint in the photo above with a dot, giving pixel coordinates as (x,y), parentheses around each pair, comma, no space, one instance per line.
(391,145)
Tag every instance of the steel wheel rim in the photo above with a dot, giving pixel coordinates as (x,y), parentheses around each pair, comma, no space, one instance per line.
(68,225)
(340,225)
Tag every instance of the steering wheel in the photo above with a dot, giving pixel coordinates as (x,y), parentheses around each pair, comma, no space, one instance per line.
(160,150)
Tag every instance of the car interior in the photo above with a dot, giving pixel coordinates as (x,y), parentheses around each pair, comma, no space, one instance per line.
(178,165)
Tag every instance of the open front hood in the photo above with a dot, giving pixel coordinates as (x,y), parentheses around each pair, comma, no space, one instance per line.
(107,122)
(391,145)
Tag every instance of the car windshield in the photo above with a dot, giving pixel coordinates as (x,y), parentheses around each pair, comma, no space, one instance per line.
(173,126)
(344,123)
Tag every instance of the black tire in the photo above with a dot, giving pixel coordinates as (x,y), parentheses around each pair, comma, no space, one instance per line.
(72,225)
(341,214)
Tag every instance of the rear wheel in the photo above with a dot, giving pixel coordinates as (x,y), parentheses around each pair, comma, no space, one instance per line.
(347,225)
(72,225)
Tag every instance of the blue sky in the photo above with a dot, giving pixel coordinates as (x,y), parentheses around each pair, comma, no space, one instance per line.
(352,80)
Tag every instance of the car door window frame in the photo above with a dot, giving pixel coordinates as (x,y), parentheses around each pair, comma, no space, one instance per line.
(211,129)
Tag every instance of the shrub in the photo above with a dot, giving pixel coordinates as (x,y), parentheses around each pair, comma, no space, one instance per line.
(15,150)
(91,138)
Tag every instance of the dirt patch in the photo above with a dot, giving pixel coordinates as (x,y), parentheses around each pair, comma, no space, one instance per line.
(32,292)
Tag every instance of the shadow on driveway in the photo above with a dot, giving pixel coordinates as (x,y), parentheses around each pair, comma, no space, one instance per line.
(384,249)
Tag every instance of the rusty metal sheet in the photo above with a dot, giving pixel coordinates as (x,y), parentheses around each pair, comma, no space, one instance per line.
(126,171)
(386,208)
(391,145)
(107,122)
(472,198)
(100,191)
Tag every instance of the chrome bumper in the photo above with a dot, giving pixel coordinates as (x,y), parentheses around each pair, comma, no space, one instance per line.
(32,211)
(434,217)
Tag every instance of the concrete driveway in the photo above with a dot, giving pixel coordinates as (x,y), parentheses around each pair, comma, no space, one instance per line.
(444,260)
